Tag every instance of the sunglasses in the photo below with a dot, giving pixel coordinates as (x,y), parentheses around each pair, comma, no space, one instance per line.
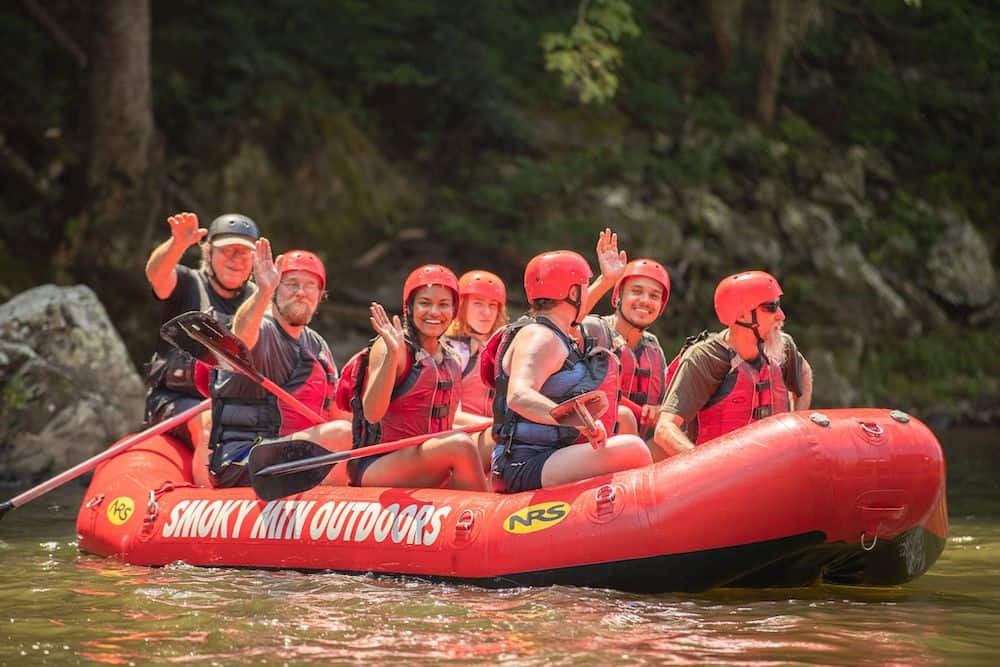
(770,306)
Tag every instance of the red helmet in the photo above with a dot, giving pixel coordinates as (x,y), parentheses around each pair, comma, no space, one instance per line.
(645,268)
(552,274)
(427,275)
(482,284)
(302,260)
(742,292)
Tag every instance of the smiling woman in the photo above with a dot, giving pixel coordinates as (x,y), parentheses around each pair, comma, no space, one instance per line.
(411,387)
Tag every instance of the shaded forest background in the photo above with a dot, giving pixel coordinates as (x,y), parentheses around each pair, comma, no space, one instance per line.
(849,148)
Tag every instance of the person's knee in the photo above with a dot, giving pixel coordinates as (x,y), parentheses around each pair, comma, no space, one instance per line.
(630,448)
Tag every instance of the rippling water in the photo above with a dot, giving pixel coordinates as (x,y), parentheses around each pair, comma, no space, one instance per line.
(62,607)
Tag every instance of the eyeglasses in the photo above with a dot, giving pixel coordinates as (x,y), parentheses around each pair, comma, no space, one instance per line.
(233,251)
(770,306)
(292,287)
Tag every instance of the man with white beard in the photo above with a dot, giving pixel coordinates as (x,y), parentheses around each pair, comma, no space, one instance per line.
(273,323)
(748,371)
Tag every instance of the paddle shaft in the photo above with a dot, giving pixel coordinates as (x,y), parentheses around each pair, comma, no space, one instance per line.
(289,400)
(246,368)
(630,404)
(369,450)
(94,461)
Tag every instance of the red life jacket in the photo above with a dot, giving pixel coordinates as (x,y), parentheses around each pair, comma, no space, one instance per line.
(426,400)
(315,390)
(643,370)
(477,396)
(239,417)
(745,395)
(647,385)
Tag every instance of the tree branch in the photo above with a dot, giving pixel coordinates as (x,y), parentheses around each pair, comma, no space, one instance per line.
(62,37)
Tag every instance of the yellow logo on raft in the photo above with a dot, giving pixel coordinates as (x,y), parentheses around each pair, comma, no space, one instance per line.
(533,518)
(120,510)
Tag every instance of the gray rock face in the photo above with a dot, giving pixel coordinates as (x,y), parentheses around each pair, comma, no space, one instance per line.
(67,386)
(960,269)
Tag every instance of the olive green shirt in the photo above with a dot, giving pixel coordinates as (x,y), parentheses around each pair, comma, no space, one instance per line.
(705,365)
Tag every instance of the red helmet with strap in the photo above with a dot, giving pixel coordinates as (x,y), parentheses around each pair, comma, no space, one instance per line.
(551,275)
(302,260)
(482,284)
(427,275)
(644,268)
(743,292)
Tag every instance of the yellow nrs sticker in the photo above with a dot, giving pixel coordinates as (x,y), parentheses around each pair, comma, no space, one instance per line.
(120,510)
(533,518)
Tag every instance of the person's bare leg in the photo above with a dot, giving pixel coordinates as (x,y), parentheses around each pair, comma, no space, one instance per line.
(335,436)
(485,444)
(200,427)
(577,462)
(453,457)
(626,422)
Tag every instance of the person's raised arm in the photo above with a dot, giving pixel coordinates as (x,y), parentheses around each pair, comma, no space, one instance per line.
(246,321)
(612,263)
(536,354)
(162,262)
(387,356)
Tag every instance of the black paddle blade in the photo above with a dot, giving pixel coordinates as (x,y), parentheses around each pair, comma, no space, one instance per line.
(174,333)
(202,336)
(272,487)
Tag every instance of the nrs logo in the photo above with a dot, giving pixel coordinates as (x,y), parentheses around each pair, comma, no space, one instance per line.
(536,517)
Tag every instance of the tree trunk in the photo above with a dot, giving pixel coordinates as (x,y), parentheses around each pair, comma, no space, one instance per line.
(106,246)
(726,17)
(774,51)
(121,110)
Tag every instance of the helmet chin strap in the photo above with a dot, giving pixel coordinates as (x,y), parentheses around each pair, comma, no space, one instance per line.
(578,304)
(754,326)
(621,314)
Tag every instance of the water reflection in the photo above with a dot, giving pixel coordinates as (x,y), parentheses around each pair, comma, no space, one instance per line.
(64,607)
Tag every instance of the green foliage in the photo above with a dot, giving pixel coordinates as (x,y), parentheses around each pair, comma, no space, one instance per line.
(588,58)
(948,371)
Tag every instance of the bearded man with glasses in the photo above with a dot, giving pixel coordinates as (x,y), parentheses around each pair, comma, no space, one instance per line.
(273,323)
(750,370)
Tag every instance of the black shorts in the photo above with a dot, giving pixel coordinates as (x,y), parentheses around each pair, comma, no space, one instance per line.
(356,468)
(522,469)
(162,404)
(228,464)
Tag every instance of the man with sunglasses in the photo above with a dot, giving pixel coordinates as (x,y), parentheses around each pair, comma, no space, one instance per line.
(273,323)
(218,286)
(747,372)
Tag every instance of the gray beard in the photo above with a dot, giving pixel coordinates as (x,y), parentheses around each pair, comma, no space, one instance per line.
(774,347)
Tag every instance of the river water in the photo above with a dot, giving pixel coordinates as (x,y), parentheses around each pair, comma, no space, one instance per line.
(63,607)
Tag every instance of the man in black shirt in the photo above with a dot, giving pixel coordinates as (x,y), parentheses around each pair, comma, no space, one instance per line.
(218,286)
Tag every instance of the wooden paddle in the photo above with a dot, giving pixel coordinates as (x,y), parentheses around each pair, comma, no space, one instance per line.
(94,461)
(285,467)
(200,335)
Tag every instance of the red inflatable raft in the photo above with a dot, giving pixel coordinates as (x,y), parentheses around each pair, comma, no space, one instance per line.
(848,496)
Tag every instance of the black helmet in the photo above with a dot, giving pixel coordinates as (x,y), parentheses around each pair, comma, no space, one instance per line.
(233,228)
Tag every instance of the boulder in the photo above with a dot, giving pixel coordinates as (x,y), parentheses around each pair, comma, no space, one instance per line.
(67,386)
(959,266)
